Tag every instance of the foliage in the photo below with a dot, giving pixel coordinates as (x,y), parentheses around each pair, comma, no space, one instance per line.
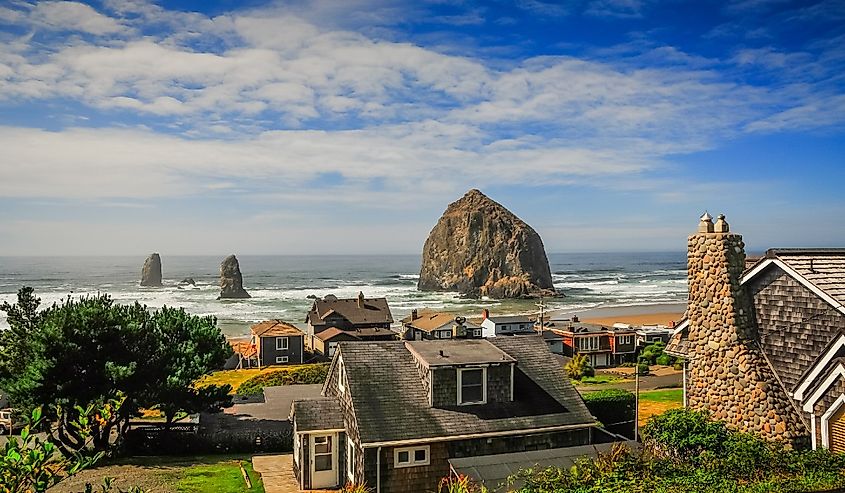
(356,488)
(91,350)
(601,379)
(293,375)
(223,476)
(651,352)
(614,408)
(664,360)
(643,369)
(459,484)
(683,451)
(579,367)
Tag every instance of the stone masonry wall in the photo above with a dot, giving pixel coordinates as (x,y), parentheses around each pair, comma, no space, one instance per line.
(728,374)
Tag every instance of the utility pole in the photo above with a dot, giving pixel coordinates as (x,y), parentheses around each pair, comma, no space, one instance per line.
(637,401)
(542,307)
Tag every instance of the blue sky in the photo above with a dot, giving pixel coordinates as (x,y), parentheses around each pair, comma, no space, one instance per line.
(198,127)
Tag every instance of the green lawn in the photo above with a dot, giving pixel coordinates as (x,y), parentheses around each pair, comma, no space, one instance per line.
(222,477)
(663,396)
(601,379)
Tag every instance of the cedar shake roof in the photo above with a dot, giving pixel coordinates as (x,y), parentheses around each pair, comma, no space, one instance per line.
(398,408)
(245,348)
(428,321)
(275,328)
(332,332)
(678,344)
(824,267)
(318,413)
(373,311)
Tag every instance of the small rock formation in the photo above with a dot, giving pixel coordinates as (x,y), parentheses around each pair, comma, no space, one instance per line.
(188,280)
(151,272)
(231,280)
(479,248)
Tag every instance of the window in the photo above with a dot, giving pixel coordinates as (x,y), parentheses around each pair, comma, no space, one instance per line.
(444,334)
(323,453)
(624,339)
(588,343)
(505,328)
(281,359)
(476,332)
(281,343)
(350,460)
(411,456)
(472,386)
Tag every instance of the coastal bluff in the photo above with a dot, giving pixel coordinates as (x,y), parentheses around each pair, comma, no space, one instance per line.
(231,280)
(479,248)
(151,271)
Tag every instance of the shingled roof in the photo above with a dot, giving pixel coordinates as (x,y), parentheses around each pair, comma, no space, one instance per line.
(821,269)
(359,311)
(318,413)
(275,328)
(428,321)
(543,395)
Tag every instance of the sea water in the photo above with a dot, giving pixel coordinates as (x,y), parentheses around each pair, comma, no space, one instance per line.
(280,285)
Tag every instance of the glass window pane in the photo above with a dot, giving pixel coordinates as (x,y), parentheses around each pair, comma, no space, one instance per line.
(471,393)
(419,455)
(404,457)
(471,377)
(323,462)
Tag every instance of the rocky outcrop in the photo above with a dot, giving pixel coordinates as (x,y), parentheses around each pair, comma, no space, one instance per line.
(479,248)
(231,280)
(151,272)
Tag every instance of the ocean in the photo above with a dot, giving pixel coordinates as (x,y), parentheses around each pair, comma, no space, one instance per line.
(280,285)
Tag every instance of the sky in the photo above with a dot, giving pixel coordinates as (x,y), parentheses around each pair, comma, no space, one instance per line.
(347,127)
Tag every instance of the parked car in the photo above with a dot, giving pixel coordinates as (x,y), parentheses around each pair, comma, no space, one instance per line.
(10,421)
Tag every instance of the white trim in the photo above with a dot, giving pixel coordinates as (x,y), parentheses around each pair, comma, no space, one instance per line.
(341,376)
(350,459)
(839,371)
(820,365)
(281,359)
(681,326)
(511,389)
(826,417)
(285,346)
(412,461)
(483,386)
(430,387)
(813,431)
(530,431)
(320,432)
(312,444)
(795,275)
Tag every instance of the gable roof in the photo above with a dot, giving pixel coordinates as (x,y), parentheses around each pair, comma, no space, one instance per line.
(333,332)
(275,328)
(384,416)
(372,311)
(317,413)
(428,321)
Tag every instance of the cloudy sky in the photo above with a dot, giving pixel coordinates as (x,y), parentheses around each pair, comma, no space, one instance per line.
(199,127)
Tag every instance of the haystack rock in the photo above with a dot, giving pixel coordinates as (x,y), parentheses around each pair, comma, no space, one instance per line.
(479,248)
(151,272)
(231,280)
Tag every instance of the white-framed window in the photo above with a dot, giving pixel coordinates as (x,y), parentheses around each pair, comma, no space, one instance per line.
(476,332)
(281,343)
(625,339)
(350,459)
(588,343)
(411,456)
(281,359)
(444,334)
(472,386)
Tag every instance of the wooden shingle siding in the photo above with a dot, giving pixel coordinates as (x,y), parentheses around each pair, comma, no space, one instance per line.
(445,387)
(793,323)
(350,423)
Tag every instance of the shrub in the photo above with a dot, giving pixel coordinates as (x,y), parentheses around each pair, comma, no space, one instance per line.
(356,488)
(459,484)
(652,352)
(579,367)
(664,360)
(679,365)
(681,434)
(294,375)
(614,408)
(643,369)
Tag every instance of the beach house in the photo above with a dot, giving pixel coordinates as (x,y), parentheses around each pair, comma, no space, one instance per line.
(429,324)
(764,346)
(439,406)
(605,346)
(505,325)
(356,319)
(276,342)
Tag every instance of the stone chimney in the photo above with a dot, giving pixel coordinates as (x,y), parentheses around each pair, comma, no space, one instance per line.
(485,314)
(414,314)
(729,375)
(361,299)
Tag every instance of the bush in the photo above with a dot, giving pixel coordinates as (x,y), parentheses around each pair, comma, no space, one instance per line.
(652,352)
(294,375)
(681,434)
(579,367)
(614,408)
(664,360)
(643,369)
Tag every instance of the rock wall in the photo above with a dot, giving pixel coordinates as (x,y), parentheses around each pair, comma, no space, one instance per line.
(479,248)
(231,280)
(728,373)
(151,271)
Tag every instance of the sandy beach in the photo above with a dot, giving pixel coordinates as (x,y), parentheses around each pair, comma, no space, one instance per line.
(665,314)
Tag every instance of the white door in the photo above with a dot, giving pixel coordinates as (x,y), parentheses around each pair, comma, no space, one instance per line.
(323,461)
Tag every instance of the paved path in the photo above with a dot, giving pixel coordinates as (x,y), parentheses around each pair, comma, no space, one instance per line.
(277,473)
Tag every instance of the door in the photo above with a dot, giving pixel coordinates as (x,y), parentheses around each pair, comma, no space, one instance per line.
(323,461)
(836,427)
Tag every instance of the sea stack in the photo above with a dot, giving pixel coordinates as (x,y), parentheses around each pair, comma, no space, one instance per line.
(231,280)
(151,272)
(479,248)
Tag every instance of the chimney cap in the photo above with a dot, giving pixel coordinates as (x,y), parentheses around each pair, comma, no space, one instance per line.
(721,225)
(705,225)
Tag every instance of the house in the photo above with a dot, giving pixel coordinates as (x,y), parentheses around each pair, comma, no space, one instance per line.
(768,356)
(506,325)
(605,346)
(325,342)
(649,334)
(277,343)
(436,401)
(553,340)
(428,324)
(368,319)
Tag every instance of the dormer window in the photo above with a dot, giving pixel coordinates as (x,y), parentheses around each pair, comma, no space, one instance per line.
(472,386)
